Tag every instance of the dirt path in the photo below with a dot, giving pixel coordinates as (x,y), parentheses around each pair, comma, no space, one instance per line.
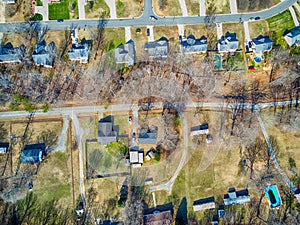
(265,133)
(168,186)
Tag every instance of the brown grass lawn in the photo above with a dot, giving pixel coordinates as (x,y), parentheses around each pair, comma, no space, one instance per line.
(257,28)
(193,7)
(140,39)
(13,14)
(288,140)
(129,8)
(197,30)
(172,8)
(222,6)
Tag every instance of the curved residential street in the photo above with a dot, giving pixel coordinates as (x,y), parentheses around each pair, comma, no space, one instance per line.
(144,19)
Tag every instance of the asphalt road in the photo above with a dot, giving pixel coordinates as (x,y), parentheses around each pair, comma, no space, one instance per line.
(144,19)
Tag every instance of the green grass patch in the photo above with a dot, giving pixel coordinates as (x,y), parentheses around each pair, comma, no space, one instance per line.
(278,25)
(36,17)
(97,9)
(59,10)
(114,37)
(120,8)
(39,3)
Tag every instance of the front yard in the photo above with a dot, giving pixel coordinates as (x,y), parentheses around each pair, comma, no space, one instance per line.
(59,10)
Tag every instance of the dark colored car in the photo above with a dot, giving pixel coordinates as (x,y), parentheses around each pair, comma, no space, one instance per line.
(257,18)
(148,32)
(60,20)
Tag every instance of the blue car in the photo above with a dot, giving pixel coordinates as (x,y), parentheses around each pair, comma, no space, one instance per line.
(60,20)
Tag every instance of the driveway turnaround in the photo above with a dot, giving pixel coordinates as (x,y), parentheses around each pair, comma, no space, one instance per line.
(43,10)
(112,8)
(233,7)
(202,8)
(294,16)
(81,11)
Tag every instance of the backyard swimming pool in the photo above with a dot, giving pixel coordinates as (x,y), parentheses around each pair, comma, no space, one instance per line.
(257,59)
(273,196)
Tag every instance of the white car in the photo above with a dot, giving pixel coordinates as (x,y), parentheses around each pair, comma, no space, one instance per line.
(152,18)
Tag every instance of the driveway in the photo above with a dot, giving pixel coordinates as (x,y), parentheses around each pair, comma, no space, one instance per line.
(297,6)
(247,32)
(219,30)
(81,4)
(202,8)
(127,34)
(233,7)
(112,8)
(183,7)
(294,16)
(151,34)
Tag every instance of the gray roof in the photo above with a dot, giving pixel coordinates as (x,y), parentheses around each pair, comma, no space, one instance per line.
(32,153)
(9,54)
(106,132)
(293,36)
(8,1)
(148,138)
(228,43)
(125,53)
(43,54)
(158,49)
(79,52)
(193,45)
(261,44)
(241,197)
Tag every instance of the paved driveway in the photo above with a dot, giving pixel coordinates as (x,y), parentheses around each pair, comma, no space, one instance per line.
(219,30)
(202,8)
(294,16)
(81,11)
(247,32)
(112,8)
(233,6)
(183,7)
(127,34)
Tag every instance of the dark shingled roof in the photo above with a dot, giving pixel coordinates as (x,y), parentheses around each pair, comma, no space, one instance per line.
(106,132)
(33,153)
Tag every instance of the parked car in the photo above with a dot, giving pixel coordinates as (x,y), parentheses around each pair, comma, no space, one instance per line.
(257,18)
(152,18)
(251,19)
(60,20)
(148,32)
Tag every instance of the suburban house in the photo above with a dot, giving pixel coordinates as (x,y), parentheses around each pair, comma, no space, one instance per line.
(125,53)
(4,147)
(193,45)
(201,129)
(158,48)
(9,54)
(136,157)
(203,204)
(261,44)
(236,197)
(107,132)
(221,212)
(158,218)
(150,154)
(33,153)
(228,43)
(292,37)
(79,52)
(43,54)
(148,138)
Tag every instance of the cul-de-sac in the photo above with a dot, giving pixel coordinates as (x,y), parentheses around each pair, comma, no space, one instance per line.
(149,112)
